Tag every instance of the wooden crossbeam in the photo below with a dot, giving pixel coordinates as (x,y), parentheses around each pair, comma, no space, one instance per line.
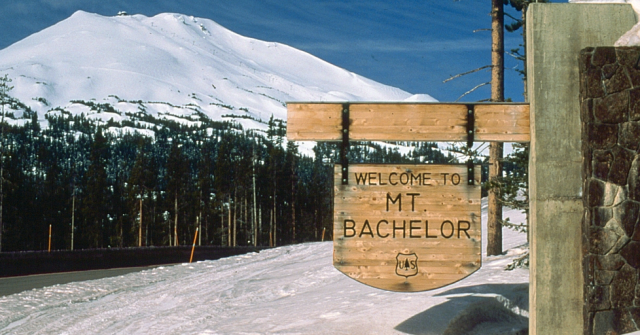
(432,122)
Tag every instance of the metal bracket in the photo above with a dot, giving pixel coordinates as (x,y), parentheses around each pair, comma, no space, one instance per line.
(470,173)
(344,148)
(471,120)
(471,125)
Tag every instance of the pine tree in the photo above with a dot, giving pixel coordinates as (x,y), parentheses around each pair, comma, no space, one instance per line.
(177,174)
(140,183)
(94,207)
(205,189)
(224,181)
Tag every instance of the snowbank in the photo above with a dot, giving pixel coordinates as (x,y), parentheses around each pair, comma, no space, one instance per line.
(287,290)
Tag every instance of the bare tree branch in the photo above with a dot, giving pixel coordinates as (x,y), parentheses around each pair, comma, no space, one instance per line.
(483,29)
(466,73)
(473,89)
(513,18)
(518,57)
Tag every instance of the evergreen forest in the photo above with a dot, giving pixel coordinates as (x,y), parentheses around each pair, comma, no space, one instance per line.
(120,188)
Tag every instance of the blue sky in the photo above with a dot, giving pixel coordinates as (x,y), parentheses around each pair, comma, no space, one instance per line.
(410,44)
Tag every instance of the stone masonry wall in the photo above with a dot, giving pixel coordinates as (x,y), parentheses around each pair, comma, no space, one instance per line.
(610,114)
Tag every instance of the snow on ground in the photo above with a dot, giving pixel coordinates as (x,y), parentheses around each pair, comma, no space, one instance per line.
(287,290)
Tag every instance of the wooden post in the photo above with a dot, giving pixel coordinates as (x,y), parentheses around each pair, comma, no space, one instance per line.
(323,230)
(49,238)
(194,245)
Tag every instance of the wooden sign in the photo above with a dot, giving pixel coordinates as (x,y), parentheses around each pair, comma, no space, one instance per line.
(407,227)
(498,122)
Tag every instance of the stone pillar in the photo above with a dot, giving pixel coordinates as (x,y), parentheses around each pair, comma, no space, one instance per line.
(555,35)
(610,113)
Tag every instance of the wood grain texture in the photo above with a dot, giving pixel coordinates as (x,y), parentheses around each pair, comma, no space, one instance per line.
(429,224)
(408,122)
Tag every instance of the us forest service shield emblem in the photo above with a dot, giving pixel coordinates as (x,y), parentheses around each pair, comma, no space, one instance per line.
(407,265)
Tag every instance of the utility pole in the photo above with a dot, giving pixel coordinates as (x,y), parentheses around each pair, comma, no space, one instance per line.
(494,220)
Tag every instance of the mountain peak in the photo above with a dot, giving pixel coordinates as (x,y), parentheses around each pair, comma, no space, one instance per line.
(172,66)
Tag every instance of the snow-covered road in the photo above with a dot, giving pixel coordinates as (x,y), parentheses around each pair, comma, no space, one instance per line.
(287,290)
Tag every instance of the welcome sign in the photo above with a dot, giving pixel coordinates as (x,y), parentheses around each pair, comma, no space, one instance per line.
(407,228)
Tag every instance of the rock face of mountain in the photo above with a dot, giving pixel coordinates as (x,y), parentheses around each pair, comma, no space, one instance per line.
(174,67)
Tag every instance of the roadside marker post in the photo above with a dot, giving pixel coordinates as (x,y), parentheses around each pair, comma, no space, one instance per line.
(49,238)
(194,245)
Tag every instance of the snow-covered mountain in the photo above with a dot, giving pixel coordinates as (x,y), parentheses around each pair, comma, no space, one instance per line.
(174,67)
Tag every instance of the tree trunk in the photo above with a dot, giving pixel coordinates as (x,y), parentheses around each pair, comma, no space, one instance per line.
(229,224)
(293,203)
(199,218)
(494,235)
(222,224)
(255,214)
(175,225)
(246,214)
(148,241)
(140,226)
(235,217)
(73,217)
(259,222)
(275,226)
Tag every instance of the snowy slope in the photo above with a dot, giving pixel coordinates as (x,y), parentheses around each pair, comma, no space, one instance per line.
(287,290)
(175,67)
